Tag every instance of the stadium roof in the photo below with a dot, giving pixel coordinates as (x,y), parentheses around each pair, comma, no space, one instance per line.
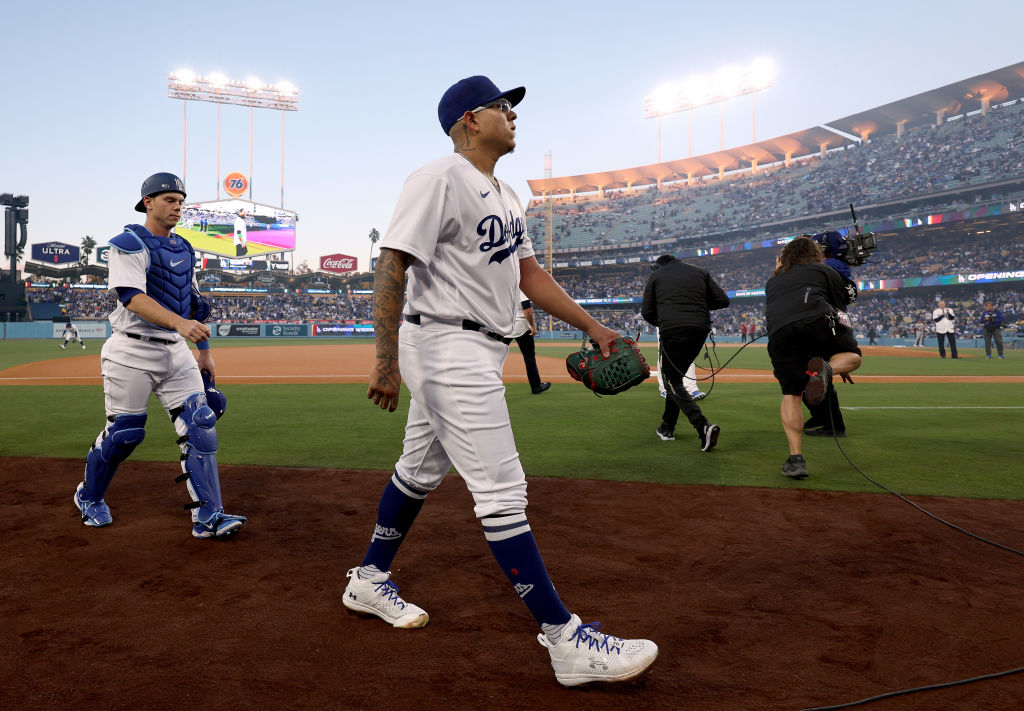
(930,107)
(773,150)
(976,93)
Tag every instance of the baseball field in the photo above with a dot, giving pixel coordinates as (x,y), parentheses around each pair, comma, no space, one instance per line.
(762,593)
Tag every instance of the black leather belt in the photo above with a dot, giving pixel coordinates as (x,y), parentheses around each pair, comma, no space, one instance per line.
(468,325)
(137,337)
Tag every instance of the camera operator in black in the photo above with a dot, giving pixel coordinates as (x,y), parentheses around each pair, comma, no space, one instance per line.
(677,299)
(826,418)
(804,341)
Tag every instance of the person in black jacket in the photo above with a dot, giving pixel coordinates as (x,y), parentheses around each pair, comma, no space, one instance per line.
(677,299)
(806,342)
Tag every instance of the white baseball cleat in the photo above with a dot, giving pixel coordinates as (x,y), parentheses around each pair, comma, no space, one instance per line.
(584,655)
(379,597)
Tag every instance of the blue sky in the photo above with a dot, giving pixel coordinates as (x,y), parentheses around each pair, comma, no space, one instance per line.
(85,115)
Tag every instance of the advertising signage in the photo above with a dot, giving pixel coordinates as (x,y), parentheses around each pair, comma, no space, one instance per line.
(55,253)
(338,263)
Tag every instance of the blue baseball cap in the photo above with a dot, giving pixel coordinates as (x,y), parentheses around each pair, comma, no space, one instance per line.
(159,183)
(466,94)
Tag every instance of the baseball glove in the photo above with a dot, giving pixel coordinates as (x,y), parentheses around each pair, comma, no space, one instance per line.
(622,369)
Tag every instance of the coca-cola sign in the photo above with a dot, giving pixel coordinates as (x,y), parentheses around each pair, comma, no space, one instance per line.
(338,263)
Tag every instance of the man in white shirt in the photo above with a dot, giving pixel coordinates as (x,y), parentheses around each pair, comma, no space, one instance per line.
(459,235)
(523,330)
(945,327)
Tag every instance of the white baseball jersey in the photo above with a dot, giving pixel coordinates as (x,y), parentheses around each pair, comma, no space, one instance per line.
(240,228)
(467,237)
(521,326)
(943,325)
(129,270)
(70,331)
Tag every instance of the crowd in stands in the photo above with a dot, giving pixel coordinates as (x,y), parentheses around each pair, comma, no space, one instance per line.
(964,152)
(899,257)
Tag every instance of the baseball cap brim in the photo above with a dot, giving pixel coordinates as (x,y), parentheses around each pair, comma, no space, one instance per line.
(141,206)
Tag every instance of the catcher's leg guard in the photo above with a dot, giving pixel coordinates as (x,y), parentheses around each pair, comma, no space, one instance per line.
(113,445)
(194,422)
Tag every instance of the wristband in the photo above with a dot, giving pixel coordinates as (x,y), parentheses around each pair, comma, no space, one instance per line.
(203,345)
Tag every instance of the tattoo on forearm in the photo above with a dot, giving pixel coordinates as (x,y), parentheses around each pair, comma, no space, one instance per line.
(388,295)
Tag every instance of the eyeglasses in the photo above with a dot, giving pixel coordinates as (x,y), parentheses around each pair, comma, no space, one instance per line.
(502,105)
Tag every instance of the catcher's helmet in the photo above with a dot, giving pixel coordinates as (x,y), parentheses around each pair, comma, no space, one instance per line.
(214,397)
(159,183)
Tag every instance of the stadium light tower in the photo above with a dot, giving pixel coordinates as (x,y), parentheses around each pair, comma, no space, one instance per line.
(184,84)
(703,90)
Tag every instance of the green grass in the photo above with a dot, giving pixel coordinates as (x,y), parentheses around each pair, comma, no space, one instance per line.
(965,450)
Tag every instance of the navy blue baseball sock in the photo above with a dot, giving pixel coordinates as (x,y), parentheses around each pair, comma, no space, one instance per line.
(516,551)
(398,507)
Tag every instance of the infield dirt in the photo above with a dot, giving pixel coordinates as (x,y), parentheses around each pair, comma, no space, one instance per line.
(758,598)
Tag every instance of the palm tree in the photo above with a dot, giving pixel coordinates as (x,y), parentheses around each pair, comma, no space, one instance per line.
(88,245)
(374,238)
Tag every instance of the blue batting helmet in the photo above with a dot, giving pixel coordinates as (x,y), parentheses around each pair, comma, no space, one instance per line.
(159,183)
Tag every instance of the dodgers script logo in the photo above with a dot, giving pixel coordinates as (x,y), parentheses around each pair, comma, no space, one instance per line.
(499,233)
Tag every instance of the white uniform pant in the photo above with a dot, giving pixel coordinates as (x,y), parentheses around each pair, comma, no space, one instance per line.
(133,370)
(458,416)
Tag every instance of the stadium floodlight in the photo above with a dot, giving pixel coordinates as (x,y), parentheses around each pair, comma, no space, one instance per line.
(727,83)
(219,89)
(185,76)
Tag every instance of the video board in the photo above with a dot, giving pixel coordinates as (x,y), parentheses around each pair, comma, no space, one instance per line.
(237,228)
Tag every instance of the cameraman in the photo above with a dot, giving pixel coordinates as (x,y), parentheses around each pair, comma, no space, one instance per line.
(806,341)
(992,321)
(827,418)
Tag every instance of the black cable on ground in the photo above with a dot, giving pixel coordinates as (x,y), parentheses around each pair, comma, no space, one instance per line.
(931,687)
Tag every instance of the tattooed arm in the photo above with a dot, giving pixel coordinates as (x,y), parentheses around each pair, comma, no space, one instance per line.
(388,294)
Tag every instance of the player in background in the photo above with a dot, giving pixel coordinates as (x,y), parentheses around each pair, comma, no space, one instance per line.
(458,235)
(71,334)
(523,331)
(240,239)
(159,310)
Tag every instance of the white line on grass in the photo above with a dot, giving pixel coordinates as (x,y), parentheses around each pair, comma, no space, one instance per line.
(941,407)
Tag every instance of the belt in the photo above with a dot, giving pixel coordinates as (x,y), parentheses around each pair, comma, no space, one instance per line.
(467,325)
(137,337)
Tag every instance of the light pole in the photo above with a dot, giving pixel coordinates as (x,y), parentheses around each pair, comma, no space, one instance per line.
(217,88)
(697,91)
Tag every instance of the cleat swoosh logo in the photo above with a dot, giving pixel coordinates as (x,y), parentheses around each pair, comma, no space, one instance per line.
(485,194)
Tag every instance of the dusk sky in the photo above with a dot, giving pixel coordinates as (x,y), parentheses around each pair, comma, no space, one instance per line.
(86,116)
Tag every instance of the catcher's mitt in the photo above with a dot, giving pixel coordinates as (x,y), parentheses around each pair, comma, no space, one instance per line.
(622,369)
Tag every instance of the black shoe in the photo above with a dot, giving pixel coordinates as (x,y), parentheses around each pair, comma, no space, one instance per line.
(824,432)
(665,433)
(795,467)
(709,437)
(820,373)
(541,388)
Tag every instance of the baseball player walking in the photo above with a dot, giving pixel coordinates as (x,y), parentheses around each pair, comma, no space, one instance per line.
(159,308)
(71,334)
(458,234)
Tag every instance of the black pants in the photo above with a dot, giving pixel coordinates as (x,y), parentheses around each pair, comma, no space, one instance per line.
(996,334)
(952,344)
(529,350)
(679,348)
